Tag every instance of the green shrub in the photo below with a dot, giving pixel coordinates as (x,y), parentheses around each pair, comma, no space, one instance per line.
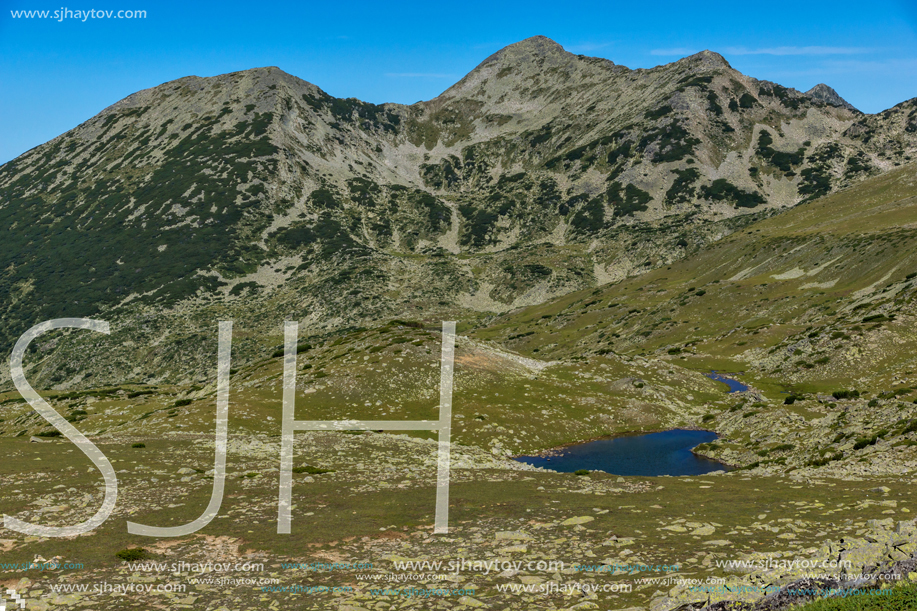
(182,402)
(721,189)
(747,101)
(581,472)
(821,462)
(300,348)
(133,554)
(845,394)
(139,393)
(901,598)
(673,142)
(783,161)
(48,434)
(312,470)
(862,442)
(815,182)
(139,445)
(682,191)
(626,201)
(659,112)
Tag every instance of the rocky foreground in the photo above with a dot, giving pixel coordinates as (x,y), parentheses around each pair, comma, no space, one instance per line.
(362,517)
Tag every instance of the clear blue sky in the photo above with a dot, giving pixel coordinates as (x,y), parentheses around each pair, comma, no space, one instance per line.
(56,74)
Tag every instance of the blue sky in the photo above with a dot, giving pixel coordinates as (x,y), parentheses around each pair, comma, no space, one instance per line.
(56,74)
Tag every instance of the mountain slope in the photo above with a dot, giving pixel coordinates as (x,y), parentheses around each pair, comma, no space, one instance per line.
(815,297)
(815,308)
(258,197)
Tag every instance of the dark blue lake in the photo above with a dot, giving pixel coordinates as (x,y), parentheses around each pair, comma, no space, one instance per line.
(734,385)
(665,453)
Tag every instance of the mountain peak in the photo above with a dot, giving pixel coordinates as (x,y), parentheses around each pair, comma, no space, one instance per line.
(528,49)
(532,65)
(538,44)
(525,58)
(827,94)
(707,60)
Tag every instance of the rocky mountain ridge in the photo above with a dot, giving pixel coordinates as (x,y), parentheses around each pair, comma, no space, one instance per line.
(257,196)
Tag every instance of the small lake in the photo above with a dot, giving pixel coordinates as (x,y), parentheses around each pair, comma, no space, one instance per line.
(665,453)
(734,385)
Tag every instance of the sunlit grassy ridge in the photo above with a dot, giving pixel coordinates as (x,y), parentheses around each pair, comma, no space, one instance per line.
(901,598)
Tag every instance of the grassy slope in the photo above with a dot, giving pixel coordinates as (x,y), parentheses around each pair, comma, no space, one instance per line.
(789,281)
(902,598)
